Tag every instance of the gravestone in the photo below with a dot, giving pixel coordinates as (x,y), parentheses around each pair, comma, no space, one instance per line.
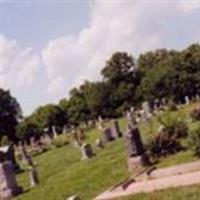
(107,134)
(33,176)
(116,129)
(147,110)
(86,150)
(156,105)
(197,97)
(55,134)
(131,119)
(7,153)
(101,123)
(187,100)
(76,140)
(8,183)
(99,144)
(137,159)
(25,156)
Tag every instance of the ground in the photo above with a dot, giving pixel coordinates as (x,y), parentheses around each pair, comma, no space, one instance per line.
(62,173)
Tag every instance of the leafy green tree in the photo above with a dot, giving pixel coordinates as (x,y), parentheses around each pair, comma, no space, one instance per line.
(10,114)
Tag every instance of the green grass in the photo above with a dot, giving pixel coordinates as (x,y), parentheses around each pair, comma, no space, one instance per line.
(62,173)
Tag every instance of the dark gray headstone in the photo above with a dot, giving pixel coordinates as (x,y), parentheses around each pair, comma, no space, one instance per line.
(133,142)
(86,150)
(8,183)
(7,153)
(33,176)
(116,129)
(108,136)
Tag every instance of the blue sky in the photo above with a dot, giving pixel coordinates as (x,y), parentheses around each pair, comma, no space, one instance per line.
(48,47)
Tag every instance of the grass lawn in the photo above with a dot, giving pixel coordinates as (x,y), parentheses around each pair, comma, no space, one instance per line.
(62,173)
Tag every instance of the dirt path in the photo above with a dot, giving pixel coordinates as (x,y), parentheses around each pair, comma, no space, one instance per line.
(153,185)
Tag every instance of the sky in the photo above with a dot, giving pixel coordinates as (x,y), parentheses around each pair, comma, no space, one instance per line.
(47,47)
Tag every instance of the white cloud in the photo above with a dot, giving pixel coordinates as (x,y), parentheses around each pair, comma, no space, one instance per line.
(189,5)
(19,66)
(114,26)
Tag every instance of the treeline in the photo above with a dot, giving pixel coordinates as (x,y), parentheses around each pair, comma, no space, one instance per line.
(125,82)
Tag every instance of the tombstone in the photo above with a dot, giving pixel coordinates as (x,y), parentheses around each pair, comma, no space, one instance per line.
(187,100)
(130,116)
(55,135)
(101,123)
(7,153)
(8,183)
(107,133)
(116,129)
(197,97)
(147,110)
(137,159)
(156,105)
(133,140)
(76,140)
(33,176)
(25,156)
(99,144)
(86,150)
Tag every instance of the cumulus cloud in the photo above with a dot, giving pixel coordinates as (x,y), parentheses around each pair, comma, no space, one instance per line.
(19,66)
(113,26)
(132,26)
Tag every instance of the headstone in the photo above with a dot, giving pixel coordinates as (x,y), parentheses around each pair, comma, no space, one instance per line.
(86,150)
(130,116)
(116,129)
(107,133)
(25,156)
(99,144)
(76,140)
(197,97)
(55,135)
(156,105)
(7,153)
(137,159)
(8,183)
(133,142)
(147,110)
(101,123)
(187,100)
(33,176)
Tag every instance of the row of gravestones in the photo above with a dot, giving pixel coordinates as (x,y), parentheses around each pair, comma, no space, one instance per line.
(109,134)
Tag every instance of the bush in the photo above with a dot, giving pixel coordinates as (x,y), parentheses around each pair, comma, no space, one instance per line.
(163,144)
(194,141)
(168,139)
(195,114)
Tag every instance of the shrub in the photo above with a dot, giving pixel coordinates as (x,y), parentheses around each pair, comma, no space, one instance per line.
(168,139)
(194,141)
(195,114)
(163,144)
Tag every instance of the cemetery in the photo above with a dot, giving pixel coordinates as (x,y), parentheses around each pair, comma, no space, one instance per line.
(117,156)
(99,100)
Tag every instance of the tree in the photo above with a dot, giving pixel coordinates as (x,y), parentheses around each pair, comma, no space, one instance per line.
(10,114)
(122,77)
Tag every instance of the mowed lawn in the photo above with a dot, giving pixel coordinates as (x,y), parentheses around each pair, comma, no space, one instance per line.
(62,173)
